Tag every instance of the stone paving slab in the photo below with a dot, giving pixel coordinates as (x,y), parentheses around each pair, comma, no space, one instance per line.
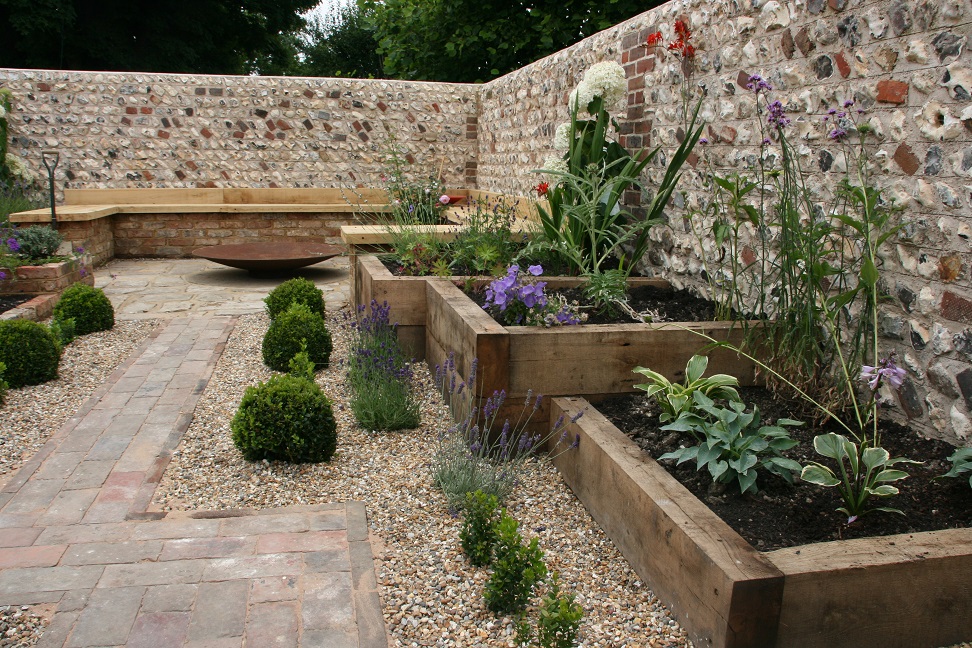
(75,532)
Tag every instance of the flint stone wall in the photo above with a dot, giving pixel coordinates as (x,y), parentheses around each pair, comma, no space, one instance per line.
(127,130)
(907,64)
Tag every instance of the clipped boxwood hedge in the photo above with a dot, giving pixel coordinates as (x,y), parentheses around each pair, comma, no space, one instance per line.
(29,352)
(296,329)
(88,307)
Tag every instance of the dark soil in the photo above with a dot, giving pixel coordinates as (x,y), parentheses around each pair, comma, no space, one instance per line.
(780,515)
(8,302)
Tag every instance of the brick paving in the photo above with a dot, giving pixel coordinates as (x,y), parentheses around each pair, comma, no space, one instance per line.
(76,531)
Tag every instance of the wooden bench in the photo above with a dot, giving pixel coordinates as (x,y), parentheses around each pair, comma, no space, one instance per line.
(173,222)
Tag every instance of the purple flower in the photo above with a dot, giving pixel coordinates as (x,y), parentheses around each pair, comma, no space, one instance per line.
(837,134)
(535,270)
(444,199)
(848,103)
(757,84)
(13,244)
(776,115)
(79,250)
(703,140)
(886,370)
(3,275)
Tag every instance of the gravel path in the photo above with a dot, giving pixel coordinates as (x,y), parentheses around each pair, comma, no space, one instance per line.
(30,415)
(431,596)
(21,627)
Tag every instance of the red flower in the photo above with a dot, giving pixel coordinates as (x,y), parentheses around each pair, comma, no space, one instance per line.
(654,39)
(542,188)
(682,30)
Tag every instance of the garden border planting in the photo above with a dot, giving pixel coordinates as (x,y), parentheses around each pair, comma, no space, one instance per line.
(872,591)
(588,360)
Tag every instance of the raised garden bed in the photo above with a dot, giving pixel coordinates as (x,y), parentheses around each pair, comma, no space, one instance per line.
(588,360)
(46,283)
(908,590)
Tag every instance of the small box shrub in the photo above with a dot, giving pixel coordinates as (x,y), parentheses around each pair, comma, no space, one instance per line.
(517,568)
(29,351)
(478,533)
(88,307)
(294,291)
(296,329)
(288,418)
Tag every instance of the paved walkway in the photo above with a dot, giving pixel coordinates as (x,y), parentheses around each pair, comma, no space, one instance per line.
(75,532)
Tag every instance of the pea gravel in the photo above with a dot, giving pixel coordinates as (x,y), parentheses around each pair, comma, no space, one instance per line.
(30,415)
(431,595)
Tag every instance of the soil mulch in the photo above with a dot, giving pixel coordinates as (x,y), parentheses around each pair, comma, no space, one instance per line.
(780,515)
(8,302)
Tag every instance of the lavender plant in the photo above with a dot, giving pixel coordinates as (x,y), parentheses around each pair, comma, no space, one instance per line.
(481,451)
(379,374)
(517,299)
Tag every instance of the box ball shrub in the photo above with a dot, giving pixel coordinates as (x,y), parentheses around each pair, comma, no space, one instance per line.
(288,418)
(296,329)
(88,307)
(29,351)
(292,291)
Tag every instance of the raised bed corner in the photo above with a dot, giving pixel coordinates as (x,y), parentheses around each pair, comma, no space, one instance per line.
(903,591)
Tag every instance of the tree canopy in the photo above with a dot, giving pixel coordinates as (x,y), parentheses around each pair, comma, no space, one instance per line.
(477,40)
(199,36)
(341,44)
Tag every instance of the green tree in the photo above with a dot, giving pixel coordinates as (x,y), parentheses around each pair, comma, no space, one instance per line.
(341,44)
(477,40)
(198,36)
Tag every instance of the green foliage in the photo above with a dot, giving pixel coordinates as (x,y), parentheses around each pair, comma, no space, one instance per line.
(64,330)
(341,44)
(517,568)
(89,307)
(478,533)
(379,375)
(465,41)
(288,418)
(29,351)
(733,444)
(558,620)
(297,290)
(251,36)
(865,472)
(301,366)
(296,329)
(37,242)
(483,452)
(487,243)
(961,463)
(675,399)
(3,383)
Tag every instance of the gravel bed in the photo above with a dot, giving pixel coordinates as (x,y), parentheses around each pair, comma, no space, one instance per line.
(21,627)
(30,415)
(431,595)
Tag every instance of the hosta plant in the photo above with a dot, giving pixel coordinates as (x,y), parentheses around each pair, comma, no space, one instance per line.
(674,399)
(733,445)
(865,472)
(961,463)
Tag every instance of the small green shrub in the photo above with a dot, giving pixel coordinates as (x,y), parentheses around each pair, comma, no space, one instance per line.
(292,291)
(558,620)
(296,329)
(3,383)
(64,330)
(89,307)
(37,242)
(29,352)
(478,533)
(301,366)
(288,418)
(517,568)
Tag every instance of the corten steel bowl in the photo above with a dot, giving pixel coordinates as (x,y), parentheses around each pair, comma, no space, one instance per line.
(269,257)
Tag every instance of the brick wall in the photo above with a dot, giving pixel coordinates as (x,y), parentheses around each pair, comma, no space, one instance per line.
(177,235)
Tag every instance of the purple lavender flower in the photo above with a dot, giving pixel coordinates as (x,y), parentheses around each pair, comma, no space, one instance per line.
(886,370)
